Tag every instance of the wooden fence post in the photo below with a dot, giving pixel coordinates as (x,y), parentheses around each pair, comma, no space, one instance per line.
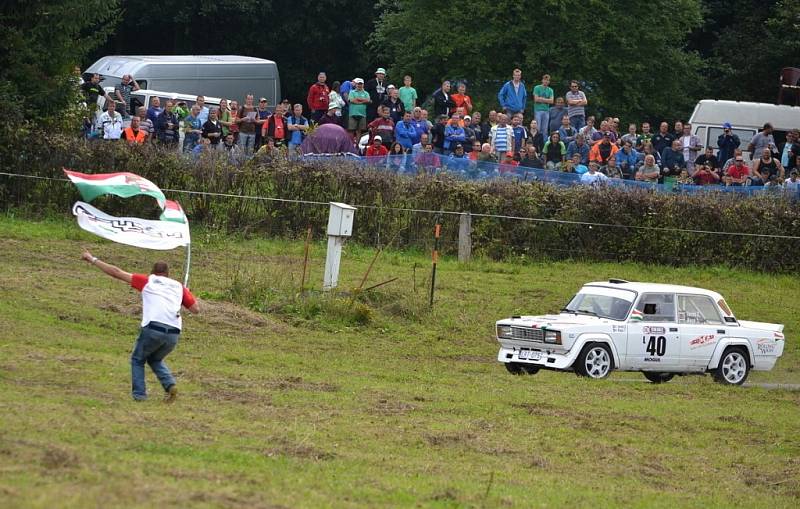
(465,238)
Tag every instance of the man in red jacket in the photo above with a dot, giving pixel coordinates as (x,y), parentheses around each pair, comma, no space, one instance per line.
(318,97)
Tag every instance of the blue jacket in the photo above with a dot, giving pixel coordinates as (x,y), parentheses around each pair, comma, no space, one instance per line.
(632,159)
(457,163)
(405,134)
(583,150)
(511,100)
(453,135)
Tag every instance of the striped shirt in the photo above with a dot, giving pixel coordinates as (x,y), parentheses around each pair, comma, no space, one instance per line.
(501,139)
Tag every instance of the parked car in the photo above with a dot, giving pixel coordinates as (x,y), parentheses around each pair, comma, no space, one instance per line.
(660,330)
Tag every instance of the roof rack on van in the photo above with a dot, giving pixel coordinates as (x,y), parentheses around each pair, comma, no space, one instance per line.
(617,281)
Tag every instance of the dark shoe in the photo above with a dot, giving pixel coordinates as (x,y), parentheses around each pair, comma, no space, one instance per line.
(172,394)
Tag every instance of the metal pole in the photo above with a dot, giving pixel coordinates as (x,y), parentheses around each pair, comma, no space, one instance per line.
(435,259)
(305,262)
(188,263)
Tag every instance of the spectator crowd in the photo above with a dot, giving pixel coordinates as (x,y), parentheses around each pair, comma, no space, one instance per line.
(447,131)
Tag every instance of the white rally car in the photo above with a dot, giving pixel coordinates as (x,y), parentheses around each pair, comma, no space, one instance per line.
(660,330)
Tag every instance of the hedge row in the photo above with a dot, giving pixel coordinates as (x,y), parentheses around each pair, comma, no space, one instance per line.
(381,194)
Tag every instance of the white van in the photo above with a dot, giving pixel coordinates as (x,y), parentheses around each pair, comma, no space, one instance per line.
(144,97)
(747,119)
(228,76)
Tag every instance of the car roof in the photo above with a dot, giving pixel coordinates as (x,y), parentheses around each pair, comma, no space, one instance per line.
(642,287)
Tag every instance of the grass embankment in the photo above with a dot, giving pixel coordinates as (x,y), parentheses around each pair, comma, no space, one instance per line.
(316,404)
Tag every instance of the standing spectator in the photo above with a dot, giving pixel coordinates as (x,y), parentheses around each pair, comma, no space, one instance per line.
(404,132)
(557,112)
(376,148)
(469,133)
(512,96)
(691,147)
(601,152)
(588,131)
(110,122)
(542,100)
(204,111)
(383,126)
(738,172)
(376,88)
(438,134)
(145,124)
(647,150)
(92,90)
(628,158)
(477,128)
(631,136)
(501,137)
(167,126)
(132,134)
(535,136)
(224,117)
(420,124)
(453,134)
(520,133)
(555,153)
(262,114)
(767,166)
(461,99)
(275,127)
(192,129)
(677,132)
(593,177)
(336,99)
(612,169)
(580,148)
(408,94)
(332,117)
(122,93)
(727,142)
(792,146)
(394,104)
(318,97)
(566,131)
(672,160)
(247,122)
(442,100)
(297,125)
(154,110)
(576,105)
(649,171)
(761,141)
(212,128)
(645,137)
(233,125)
(662,139)
(358,99)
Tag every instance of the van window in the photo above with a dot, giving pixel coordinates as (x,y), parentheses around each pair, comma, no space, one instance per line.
(142,83)
(745,135)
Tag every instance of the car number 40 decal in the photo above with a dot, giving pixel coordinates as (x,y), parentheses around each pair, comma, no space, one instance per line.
(656,345)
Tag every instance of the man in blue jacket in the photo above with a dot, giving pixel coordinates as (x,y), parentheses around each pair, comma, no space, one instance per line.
(405,133)
(513,96)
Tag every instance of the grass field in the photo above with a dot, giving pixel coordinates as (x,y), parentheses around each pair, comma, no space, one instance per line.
(311,402)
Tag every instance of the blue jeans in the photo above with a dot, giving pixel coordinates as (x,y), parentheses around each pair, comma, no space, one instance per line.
(151,348)
(543,121)
(577,121)
(247,142)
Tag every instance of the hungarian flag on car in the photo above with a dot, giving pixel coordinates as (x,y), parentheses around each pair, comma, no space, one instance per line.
(637,315)
(123,185)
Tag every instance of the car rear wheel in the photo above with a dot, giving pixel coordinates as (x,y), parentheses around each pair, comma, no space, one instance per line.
(733,367)
(658,378)
(594,361)
(518,368)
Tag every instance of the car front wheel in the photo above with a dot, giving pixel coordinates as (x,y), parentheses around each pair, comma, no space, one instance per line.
(658,378)
(733,367)
(594,361)
(518,368)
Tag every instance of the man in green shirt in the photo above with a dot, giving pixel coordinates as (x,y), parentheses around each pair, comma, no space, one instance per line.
(358,99)
(542,99)
(408,94)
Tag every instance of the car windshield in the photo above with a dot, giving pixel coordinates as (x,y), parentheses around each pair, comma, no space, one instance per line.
(606,306)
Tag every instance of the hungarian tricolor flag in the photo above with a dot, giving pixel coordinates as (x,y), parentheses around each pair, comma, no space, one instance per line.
(637,315)
(173,212)
(123,185)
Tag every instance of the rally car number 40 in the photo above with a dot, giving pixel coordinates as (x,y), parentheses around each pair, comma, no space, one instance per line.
(660,330)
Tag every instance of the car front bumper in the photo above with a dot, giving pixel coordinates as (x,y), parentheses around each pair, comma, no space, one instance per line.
(542,358)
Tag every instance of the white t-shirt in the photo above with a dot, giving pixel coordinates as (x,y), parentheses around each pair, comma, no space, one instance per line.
(593,178)
(162,298)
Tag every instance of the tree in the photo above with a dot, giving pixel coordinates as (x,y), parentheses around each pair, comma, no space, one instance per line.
(630,56)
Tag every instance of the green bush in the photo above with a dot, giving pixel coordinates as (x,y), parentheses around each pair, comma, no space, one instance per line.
(381,196)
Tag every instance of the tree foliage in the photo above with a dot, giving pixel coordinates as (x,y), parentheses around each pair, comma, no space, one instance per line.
(630,56)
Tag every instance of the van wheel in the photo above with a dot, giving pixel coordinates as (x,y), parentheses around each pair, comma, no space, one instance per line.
(594,361)
(518,368)
(658,378)
(733,367)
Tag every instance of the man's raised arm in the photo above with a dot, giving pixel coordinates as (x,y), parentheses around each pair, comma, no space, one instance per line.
(109,269)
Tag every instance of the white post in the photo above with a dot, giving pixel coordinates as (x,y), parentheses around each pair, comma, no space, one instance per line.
(340,225)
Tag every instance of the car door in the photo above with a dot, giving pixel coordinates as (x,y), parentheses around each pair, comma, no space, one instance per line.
(701,327)
(653,335)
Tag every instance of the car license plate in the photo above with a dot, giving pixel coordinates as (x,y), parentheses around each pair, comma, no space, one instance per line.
(531,355)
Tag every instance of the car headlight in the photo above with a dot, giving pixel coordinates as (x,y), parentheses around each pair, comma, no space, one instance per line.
(504,331)
(552,336)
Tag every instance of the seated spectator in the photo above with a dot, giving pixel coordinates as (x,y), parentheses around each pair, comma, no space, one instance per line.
(627,158)
(672,160)
(730,162)
(333,116)
(580,148)
(418,147)
(476,151)
(566,131)
(486,155)
(396,158)
(631,136)
(458,160)
(601,152)
(605,129)
(684,178)
(554,152)
(612,170)
(792,184)
(405,133)
(707,158)
(529,157)
(110,122)
(420,124)
(437,134)
(453,134)
(649,171)
(705,175)
(766,166)
(738,172)
(428,158)
(588,131)
(648,149)
(376,148)
(593,177)
(230,147)
(201,147)
(508,165)
(578,166)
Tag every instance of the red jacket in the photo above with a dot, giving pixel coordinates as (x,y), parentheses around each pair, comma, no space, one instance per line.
(380,151)
(318,96)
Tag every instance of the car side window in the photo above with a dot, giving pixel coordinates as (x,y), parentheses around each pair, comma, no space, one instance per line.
(698,310)
(657,307)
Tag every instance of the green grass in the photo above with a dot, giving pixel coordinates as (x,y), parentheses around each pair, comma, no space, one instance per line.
(302,405)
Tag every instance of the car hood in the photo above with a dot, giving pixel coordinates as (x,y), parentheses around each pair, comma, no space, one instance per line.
(559,322)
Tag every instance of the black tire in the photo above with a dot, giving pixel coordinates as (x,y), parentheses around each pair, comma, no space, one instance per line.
(594,361)
(733,367)
(658,378)
(518,368)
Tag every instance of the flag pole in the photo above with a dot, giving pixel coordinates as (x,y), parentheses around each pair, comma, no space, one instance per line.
(188,263)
